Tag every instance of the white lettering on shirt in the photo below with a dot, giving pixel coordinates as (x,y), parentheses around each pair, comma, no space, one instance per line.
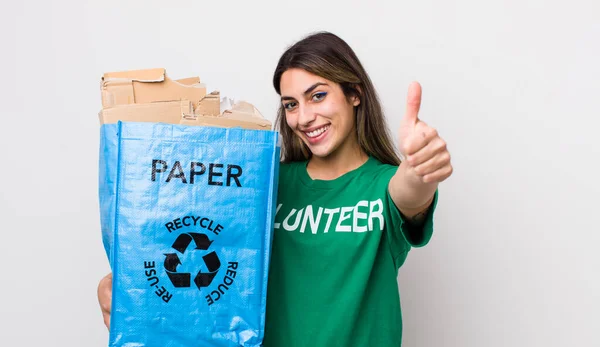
(375,213)
(350,218)
(359,215)
(276,225)
(343,216)
(286,221)
(314,222)
(331,212)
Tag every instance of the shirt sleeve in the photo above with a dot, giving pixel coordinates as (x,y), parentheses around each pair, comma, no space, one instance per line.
(402,235)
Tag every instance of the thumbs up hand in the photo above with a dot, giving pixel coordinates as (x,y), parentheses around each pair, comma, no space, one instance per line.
(425,153)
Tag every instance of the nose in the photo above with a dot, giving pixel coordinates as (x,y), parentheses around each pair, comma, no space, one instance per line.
(306,115)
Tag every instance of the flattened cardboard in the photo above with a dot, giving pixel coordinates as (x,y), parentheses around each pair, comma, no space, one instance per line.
(145,86)
(210,105)
(151,96)
(181,112)
(159,112)
(189,81)
(224,122)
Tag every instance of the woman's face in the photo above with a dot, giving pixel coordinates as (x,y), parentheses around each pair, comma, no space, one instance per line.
(318,112)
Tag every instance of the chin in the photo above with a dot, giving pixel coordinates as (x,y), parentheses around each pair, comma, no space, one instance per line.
(321,151)
(320,155)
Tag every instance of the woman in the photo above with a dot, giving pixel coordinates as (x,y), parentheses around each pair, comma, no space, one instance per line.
(348,210)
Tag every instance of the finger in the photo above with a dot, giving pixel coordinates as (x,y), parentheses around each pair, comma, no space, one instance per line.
(105,297)
(413,103)
(106,317)
(432,165)
(439,175)
(429,150)
(422,135)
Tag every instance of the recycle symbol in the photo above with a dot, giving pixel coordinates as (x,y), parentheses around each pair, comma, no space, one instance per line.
(211,260)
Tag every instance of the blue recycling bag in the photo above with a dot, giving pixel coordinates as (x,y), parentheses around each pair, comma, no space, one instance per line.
(187,215)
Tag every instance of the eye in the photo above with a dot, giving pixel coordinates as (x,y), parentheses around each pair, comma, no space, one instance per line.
(290,105)
(319,96)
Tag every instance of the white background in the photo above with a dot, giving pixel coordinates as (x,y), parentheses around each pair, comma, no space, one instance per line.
(513,86)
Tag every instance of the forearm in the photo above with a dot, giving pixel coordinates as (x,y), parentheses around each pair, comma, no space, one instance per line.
(411,195)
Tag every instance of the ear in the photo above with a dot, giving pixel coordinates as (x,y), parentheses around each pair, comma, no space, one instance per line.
(356,98)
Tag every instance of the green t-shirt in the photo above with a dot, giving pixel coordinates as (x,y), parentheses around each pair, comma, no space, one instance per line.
(337,247)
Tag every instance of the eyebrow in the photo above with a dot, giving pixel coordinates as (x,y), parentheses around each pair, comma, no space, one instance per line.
(306,92)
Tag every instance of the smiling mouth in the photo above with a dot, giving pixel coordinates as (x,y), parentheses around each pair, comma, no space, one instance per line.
(317,132)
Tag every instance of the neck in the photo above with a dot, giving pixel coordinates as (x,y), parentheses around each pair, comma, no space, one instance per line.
(349,156)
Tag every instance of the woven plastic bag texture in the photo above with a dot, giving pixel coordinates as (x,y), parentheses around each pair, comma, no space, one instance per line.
(187,215)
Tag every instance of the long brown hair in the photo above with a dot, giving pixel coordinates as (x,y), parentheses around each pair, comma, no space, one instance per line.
(326,55)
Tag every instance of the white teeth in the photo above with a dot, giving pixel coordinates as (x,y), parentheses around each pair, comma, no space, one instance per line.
(317,132)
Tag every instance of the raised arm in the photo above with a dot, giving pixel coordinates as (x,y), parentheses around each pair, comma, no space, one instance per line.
(426,162)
